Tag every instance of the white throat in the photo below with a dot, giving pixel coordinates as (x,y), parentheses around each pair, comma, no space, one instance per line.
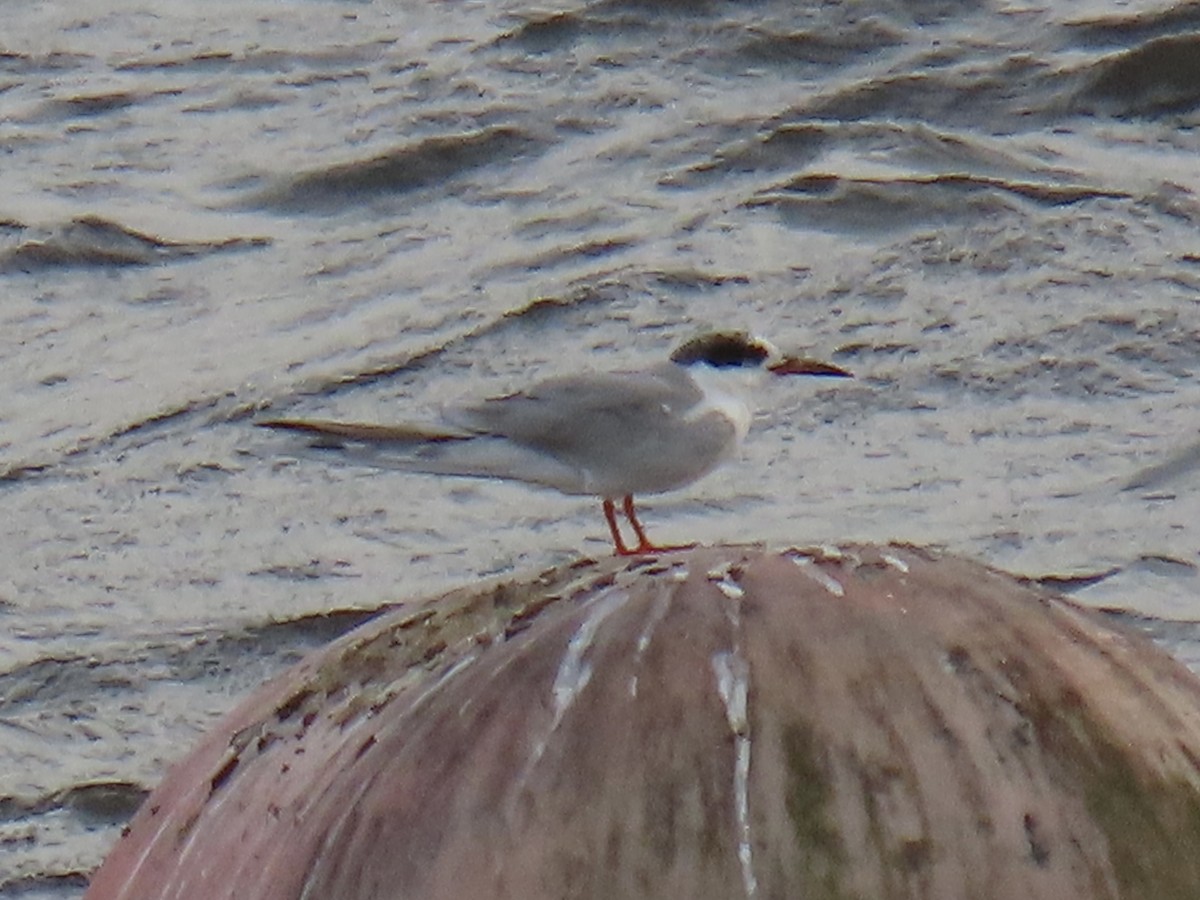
(725,392)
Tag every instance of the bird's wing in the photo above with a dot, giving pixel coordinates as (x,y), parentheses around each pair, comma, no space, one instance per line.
(562,414)
(366,433)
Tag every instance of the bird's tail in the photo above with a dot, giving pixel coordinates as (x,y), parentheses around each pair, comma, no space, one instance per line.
(414,448)
(409,448)
(334,434)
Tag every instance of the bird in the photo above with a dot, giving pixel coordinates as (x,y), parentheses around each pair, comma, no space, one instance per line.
(612,435)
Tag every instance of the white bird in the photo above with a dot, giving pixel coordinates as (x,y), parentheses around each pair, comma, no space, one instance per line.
(611,435)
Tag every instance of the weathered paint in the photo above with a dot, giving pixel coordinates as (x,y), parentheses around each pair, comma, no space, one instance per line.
(718,723)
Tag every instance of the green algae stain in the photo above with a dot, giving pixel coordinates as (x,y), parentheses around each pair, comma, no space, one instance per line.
(1152,824)
(807,802)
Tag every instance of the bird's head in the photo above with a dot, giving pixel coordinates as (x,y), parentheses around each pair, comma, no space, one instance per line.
(741,350)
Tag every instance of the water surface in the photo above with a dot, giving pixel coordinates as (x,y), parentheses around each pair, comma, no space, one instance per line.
(210,211)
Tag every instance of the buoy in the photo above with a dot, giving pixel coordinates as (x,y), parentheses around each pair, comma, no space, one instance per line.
(723,722)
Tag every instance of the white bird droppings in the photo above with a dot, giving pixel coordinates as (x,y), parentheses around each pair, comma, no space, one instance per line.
(733,685)
(657,613)
(731,590)
(820,576)
(724,577)
(574,670)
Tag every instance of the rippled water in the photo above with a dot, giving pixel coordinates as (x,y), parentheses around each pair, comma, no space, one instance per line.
(988,211)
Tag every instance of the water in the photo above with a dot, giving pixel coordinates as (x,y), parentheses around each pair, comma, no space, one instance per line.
(988,211)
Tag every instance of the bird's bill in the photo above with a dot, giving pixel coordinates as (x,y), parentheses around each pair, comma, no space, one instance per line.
(794,365)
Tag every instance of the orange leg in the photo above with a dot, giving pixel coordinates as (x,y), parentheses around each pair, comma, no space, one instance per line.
(643,545)
(610,516)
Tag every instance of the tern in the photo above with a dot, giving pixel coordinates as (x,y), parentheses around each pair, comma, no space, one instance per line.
(612,435)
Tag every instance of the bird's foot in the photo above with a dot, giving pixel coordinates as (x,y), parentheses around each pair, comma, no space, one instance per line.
(649,549)
(644,546)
